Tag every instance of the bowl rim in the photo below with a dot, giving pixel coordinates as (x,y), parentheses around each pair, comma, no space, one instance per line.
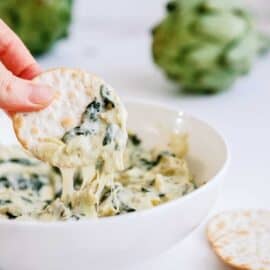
(149,211)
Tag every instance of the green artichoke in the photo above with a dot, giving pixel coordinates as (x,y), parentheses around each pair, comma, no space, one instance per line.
(39,23)
(205,44)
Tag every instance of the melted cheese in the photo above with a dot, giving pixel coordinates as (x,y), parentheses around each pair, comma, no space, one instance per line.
(95,147)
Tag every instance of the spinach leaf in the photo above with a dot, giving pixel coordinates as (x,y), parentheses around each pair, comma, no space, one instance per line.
(22,183)
(92,111)
(78,180)
(4,182)
(134,139)
(36,182)
(26,199)
(90,115)
(10,215)
(3,202)
(126,209)
(22,161)
(108,135)
(149,164)
(77,131)
(105,194)
(106,98)
(143,189)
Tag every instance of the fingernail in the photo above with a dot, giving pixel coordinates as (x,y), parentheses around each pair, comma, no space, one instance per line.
(41,95)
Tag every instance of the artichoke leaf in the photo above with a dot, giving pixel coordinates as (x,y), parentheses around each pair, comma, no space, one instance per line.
(205,56)
(221,27)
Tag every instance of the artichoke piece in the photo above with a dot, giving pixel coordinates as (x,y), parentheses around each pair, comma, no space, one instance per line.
(205,45)
(39,23)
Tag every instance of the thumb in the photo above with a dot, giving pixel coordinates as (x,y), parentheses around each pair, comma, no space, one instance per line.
(18,95)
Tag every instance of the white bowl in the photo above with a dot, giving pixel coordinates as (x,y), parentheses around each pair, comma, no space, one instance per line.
(121,241)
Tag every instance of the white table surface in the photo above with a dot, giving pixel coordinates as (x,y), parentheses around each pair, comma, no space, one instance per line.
(111,39)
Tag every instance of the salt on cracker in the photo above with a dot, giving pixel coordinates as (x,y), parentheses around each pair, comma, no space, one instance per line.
(41,132)
(242,238)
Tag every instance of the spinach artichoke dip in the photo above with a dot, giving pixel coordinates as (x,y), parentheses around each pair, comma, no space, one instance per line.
(92,167)
(31,189)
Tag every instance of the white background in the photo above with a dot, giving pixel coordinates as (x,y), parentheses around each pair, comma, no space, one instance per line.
(112,39)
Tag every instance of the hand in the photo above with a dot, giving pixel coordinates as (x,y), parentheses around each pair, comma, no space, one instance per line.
(17,67)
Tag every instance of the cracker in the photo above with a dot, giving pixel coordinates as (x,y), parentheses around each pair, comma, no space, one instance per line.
(242,238)
(42,132)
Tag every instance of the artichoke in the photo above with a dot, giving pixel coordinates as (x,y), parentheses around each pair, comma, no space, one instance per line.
(39,23)
(205,44)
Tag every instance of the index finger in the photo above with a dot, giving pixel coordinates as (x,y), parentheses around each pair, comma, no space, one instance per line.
(15,56)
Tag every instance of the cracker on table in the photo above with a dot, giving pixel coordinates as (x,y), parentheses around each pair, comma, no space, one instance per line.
(241,238)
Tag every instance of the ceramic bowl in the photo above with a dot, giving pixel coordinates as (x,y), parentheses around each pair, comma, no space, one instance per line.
(122,241)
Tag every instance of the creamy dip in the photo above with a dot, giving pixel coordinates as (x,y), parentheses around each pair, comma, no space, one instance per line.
(95,146)
(31,189)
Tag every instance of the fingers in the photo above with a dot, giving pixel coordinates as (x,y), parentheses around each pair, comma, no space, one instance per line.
(15,56)
(18,95)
